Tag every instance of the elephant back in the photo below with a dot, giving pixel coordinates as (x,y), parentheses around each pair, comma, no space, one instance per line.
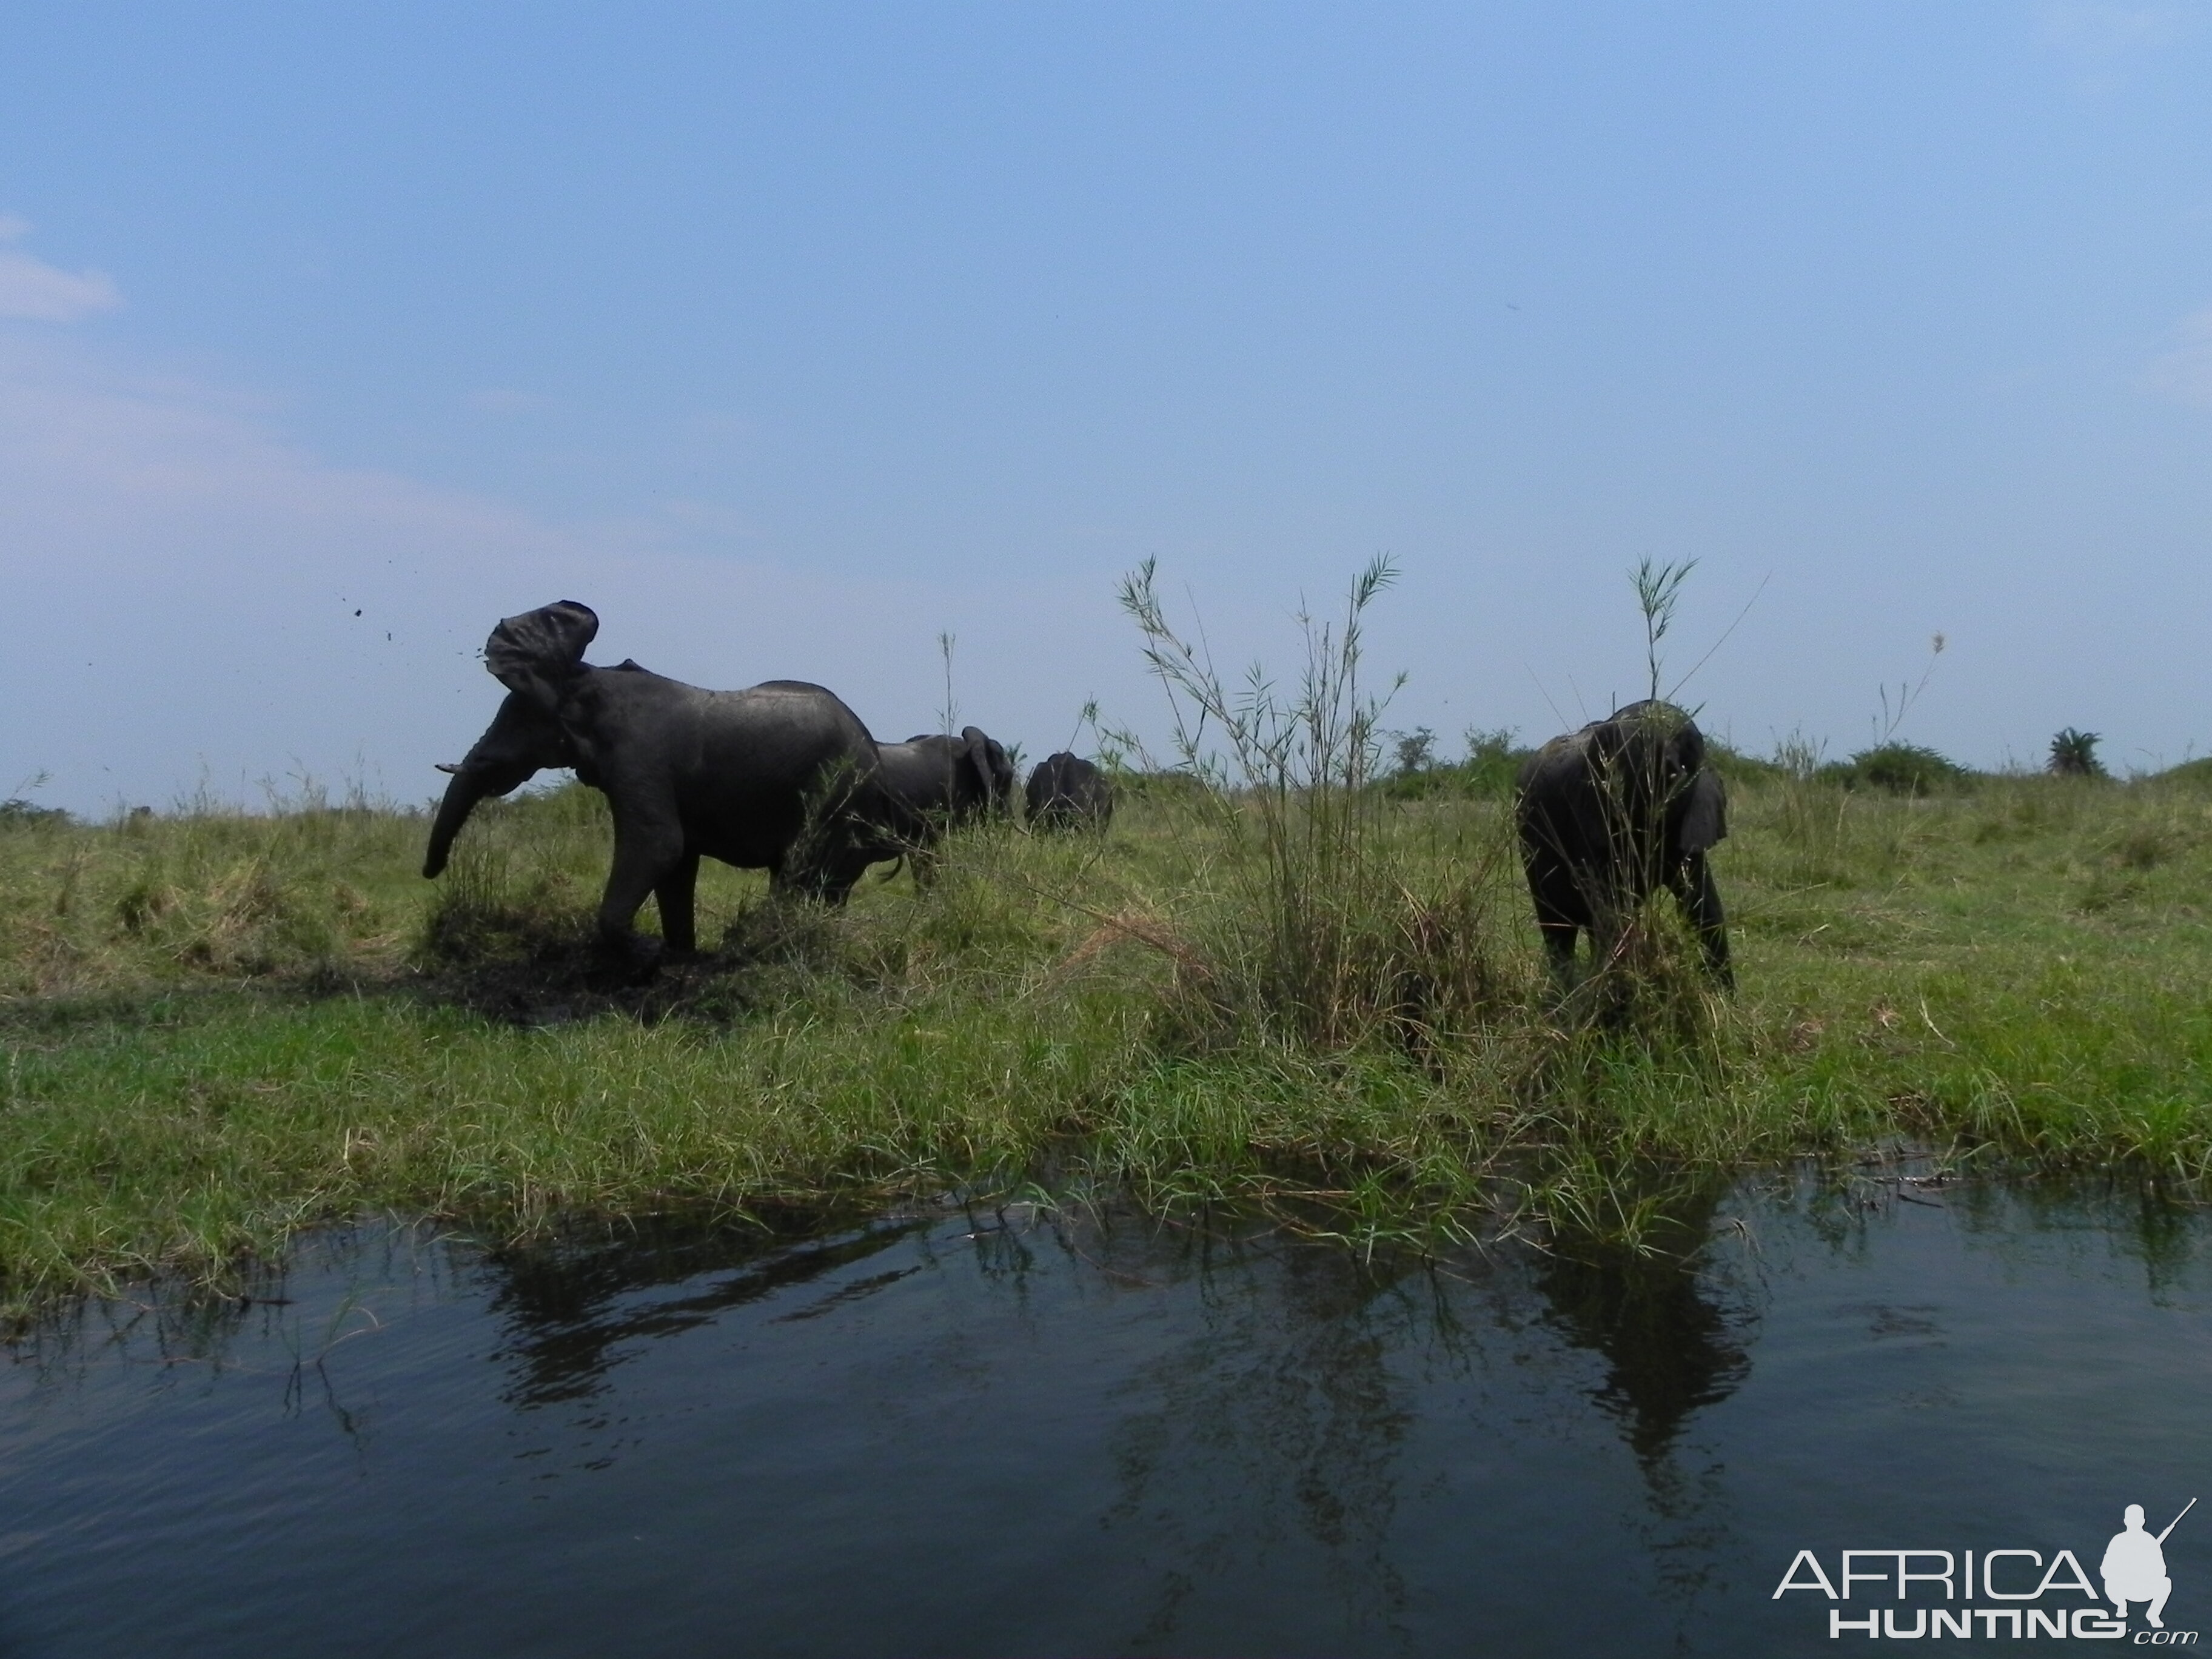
(779,742)
(1066,790)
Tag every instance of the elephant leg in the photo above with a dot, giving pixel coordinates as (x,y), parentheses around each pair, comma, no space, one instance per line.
(645,855)
(1559,948)
(1608,924)
(1701,903)
(1559,918)
(674,893)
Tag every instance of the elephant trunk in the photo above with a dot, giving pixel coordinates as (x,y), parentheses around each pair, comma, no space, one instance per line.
(462,795)
(521,741)
(471,784)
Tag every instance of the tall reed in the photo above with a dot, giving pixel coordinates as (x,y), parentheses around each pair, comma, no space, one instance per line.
(1333,934)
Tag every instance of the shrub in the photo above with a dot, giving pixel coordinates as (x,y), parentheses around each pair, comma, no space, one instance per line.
(21,814)
(1736,767)
(1902,769)
(1416,751)
(1493,761)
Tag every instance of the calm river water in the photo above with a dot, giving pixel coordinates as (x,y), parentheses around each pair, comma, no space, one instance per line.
(942,1435)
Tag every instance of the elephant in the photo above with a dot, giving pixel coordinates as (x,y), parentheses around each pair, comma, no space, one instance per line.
(1067,791)
(782,777)
(1609,814)
(932,783)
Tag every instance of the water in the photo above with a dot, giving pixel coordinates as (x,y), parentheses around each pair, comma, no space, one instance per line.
(934,1437)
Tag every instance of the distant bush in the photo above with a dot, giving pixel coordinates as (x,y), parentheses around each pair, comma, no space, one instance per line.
(1159,783)
(1420,785)
(1736,767)
(1415,752)
(21,814)
(1902,769)
(1492,761)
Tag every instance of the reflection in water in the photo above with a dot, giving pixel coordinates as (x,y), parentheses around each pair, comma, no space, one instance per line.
(1671,1350)
(1286,1406)
(574,1312)
(184,1332)
(1669,1347)
(1279,1412)
(1013,1433)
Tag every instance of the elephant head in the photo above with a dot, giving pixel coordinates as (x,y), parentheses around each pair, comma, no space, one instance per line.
(993,769)
(1651,758)
(539,657)
(1611,813)
(956,778)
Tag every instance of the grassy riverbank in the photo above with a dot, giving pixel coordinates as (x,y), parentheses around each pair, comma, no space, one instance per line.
(220,1028)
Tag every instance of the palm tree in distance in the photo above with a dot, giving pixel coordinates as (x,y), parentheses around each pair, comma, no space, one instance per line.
(2074,755)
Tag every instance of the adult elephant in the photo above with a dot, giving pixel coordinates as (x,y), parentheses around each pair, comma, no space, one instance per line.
(1609,814)
(781,778)
(1067,791)
(933,783)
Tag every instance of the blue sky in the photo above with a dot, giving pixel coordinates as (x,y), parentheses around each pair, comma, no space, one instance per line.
(789,336)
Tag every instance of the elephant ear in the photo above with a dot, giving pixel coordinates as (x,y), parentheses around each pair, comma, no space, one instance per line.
(1603,740)
(536,653)
(975,748)
(1689,746)
(1705,813)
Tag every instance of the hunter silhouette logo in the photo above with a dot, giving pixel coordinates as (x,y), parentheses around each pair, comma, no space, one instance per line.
(2023,1593)
(2134,1568)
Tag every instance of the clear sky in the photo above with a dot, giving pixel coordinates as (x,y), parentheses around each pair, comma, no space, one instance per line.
(792,336)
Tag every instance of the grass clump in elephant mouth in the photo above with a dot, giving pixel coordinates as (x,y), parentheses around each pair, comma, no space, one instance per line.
(221,1026)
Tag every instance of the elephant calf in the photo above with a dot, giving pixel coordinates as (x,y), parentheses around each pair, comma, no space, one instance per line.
(1067,791)
(781,778)
(933,783)
(1612,812)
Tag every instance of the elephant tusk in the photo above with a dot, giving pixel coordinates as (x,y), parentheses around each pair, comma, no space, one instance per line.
(448,766)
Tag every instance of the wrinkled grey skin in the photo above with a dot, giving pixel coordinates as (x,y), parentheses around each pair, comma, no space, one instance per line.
(933,783)
(1609,814)
(781,778)
(1067,791)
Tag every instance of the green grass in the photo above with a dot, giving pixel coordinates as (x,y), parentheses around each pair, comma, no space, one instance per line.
(220,1028)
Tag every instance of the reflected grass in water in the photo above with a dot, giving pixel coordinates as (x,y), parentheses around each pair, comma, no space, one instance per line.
(1053,1431)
